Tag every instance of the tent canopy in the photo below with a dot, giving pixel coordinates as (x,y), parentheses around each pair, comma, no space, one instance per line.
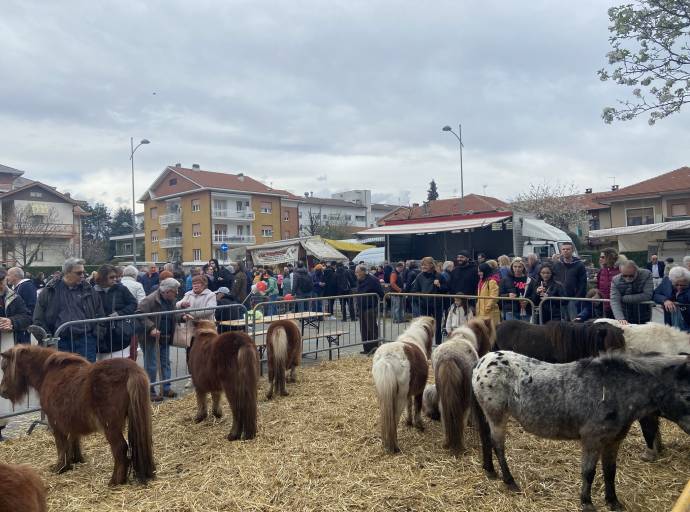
(540,230)
(432,227)
(373,256)
(343,245)
(644,228)
(288,251)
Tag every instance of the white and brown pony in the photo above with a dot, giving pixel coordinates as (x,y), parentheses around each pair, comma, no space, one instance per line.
(400,370)
(284,352)
(652,337)
(453,362)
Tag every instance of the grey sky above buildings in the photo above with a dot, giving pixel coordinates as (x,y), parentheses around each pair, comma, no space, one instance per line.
(320,96)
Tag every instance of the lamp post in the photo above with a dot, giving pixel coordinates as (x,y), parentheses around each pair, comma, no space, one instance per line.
(134,215)
(459,137)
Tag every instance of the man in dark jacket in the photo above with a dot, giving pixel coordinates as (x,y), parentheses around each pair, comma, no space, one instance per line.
(656,267)
(628,290)
(344,284)
(158,332)
(68,299)
(302,285)
(23,287)
(331,286)
(571,273)
(368,308)
(117,301)
(429,282)
(14,315)
(464,278)
(149,279)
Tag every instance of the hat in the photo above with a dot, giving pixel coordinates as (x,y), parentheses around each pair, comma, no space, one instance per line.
(464,253)
(224,290)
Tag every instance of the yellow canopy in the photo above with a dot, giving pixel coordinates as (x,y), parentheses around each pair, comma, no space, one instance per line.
(341,245)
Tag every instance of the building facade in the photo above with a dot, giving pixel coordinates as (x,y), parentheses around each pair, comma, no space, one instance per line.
(40,226)
(192,215)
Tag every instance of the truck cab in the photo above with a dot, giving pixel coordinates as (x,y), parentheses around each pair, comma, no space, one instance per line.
(544,249)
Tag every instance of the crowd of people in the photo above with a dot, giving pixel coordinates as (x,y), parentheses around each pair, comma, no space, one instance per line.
(502,289)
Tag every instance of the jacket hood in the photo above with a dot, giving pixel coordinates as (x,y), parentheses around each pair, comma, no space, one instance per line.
(300,271)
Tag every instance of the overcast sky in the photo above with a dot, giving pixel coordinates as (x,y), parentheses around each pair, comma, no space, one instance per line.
(320,96)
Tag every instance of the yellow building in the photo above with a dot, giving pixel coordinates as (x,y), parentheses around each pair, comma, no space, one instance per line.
(189,214)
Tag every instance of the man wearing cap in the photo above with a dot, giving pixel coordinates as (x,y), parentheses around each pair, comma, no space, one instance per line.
(14,316)
(224,298)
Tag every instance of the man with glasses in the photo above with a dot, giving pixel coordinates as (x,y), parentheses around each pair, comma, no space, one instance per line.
(629,290)
(69,299)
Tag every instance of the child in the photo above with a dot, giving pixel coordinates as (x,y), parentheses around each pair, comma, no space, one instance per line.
(456,315)
(590,309)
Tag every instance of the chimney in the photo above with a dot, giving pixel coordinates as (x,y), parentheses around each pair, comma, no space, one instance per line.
(240,176)
(196,167)
(178,165)
(588,191)
(67,194)
(415,205)
(614,187)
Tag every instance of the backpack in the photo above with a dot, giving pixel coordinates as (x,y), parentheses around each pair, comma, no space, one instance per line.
(342,281)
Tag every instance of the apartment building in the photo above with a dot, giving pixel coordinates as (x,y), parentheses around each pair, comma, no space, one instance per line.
(317,212)
(373,211)
(40,226)
(191,215)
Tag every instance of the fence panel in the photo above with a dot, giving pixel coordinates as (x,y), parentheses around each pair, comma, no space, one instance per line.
(582,309)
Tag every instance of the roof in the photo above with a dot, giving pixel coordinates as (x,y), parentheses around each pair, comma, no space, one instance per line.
(591,201)
(220,180)
(5,169)
(326,201)
(410,228)
(384,206)
(673,181)
(45,187)
(346,246)
(644,228)
(472,203)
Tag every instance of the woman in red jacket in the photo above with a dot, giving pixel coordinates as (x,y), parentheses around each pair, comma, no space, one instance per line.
(608,259)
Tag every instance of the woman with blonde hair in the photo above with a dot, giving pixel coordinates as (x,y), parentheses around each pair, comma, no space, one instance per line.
(430,282)
(503,265)
(514,285)
(487,290)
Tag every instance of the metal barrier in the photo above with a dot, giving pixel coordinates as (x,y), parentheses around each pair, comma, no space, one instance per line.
(323,322)
(399,308)
(580,308)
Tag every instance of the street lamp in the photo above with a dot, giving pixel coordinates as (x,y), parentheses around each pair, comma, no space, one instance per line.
(459,137)
(134,215)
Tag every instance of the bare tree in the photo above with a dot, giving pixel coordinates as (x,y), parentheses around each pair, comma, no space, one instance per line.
(32,233)
(556,204)
(334,226)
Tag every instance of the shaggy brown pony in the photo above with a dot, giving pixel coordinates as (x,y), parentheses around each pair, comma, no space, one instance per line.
(79,398)
(284,351)
(21,489)
(230,363)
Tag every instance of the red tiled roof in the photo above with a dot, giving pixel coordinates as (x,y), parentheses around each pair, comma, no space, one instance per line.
(591,201)
(672,181)
(226,181)
(473,203)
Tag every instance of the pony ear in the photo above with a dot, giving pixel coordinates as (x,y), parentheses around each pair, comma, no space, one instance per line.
(5,355)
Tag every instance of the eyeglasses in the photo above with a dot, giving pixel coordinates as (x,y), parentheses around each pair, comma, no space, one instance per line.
(602,257)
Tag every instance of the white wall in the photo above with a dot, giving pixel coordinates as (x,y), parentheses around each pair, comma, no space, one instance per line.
(338,211)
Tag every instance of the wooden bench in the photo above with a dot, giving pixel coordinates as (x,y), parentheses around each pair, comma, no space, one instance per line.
(333,338)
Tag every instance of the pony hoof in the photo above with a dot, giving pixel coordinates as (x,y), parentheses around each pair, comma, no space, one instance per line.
(648,455)
(420,427)
(233,437)
(615,505)
(512,486)
(115,482)
(199,418)
(269,396)
(61,468)
(491,474)
(588,507)
(284,393)
(218,414)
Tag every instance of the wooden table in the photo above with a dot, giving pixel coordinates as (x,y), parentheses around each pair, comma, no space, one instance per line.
(311,318)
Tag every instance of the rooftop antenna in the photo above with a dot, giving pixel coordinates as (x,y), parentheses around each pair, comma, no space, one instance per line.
(614,180)
(484,189)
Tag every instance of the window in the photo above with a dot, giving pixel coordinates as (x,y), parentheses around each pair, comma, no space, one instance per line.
(266,207)
(196,205)
(196,230)
(172,181)
(220,205)
(360,218)
(239,205)
(267,231)
(39,256)
(154,236)
(154,257)
(287,235)
(594,222)
(324,216)
(678,210)
(35,193)
(299,214)
(640,216)
(348,217)
(154,213)
(127,248)
(196,254)
(286,215)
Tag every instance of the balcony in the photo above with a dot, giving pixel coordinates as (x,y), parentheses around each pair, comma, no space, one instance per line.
(175,241)
(233,214)
(38,230)
(233,239)
(170,218)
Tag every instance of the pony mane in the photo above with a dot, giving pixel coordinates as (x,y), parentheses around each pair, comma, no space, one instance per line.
(651,364)
(63,359)
(485,331)
(421,333)
(465,334)
(204,327)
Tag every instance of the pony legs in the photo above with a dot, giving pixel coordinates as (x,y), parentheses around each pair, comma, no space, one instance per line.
(217,410)
(414,412)
(118,446)
(608,466)
(498,436)
(64,456)
(590,456)
(652,437)
(201,407)
(485,437)
(74,452)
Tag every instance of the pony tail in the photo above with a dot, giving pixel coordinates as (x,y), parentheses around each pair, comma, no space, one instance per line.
(139,430)
(451,393)
(244,399)
(386,384)
(279,344)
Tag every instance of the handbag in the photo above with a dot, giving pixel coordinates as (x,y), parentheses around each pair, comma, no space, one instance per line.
(183,335)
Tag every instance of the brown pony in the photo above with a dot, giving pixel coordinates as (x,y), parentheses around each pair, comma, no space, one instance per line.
(453,362)
(79,398)
(21,489)
(230,363)
(284,351)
